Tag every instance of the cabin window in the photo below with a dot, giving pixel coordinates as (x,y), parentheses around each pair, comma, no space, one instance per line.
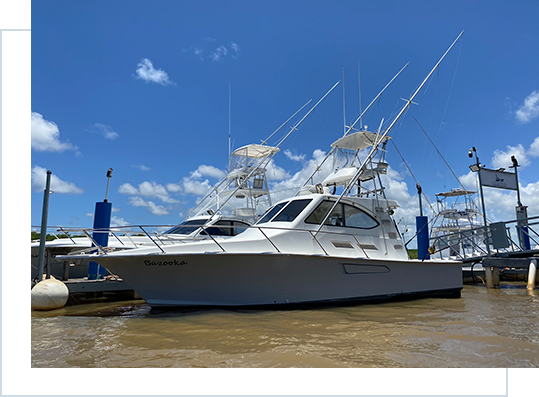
(229,228)
(292,210)
(187,227)
(271,212)
(239,227)
(342,215)
(356,218)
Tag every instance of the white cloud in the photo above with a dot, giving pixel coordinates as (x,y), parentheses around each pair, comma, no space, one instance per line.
(195,187)
(218,53)
(39,180)
(147,189)
(106,131)
(115,221)
(46,136)
(127,188)
(294,157)
(235,48)
(174,187)
(152,189)
(152,207)
(208,170)
(534,148)
(146,71)
(275,173)
(502,159)
(529,109)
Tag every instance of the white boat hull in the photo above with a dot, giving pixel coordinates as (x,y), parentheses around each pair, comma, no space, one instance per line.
(233,279)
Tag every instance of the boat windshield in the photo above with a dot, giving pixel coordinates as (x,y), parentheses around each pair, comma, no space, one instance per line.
(187,227)
(291,211)
(271,212)
(285,212)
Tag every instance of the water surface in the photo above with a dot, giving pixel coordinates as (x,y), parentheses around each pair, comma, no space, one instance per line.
(484,328)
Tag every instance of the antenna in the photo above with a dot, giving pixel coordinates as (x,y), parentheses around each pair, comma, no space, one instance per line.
(359,85)
(229,104)
(343,102)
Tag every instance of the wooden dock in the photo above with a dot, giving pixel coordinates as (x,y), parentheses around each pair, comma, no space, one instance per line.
(492,266)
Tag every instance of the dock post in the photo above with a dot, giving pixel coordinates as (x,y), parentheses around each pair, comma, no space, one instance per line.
(101,235)
(43,235)
(532,272)
(65,276)
(422,227)
(493,277)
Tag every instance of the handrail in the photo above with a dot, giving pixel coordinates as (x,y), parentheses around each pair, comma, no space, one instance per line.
(469,234)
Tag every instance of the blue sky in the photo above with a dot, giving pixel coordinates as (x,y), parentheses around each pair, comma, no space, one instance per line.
(143,87)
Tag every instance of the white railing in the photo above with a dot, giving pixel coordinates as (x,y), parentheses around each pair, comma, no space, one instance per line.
(164,241)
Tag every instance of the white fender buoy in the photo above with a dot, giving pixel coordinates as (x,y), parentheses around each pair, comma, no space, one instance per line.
(49,294)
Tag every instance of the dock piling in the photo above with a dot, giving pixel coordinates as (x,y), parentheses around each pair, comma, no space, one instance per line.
(532,273)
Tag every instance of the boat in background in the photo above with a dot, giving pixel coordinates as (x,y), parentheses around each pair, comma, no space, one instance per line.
(457,232)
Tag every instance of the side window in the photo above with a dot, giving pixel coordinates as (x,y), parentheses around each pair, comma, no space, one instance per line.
(292,210)
(239,227)
(335,218)
(354,217)
(342,215)
(215,230)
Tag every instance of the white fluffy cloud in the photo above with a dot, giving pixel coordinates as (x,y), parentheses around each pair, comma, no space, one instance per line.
(152,207)
(208,170)
(275,173)
(198,188)
(46,136)
(502,158)
(39,180)
(147,189)
(116,221)
(294,157)
(127,188)
(529,109)
(146,71)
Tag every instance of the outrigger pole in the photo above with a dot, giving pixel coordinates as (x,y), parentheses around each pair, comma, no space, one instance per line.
(380,138)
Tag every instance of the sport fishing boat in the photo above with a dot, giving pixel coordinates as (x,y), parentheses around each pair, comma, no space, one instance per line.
(318,247)
(457,232)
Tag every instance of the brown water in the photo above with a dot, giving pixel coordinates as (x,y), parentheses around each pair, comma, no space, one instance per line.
(484,328)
